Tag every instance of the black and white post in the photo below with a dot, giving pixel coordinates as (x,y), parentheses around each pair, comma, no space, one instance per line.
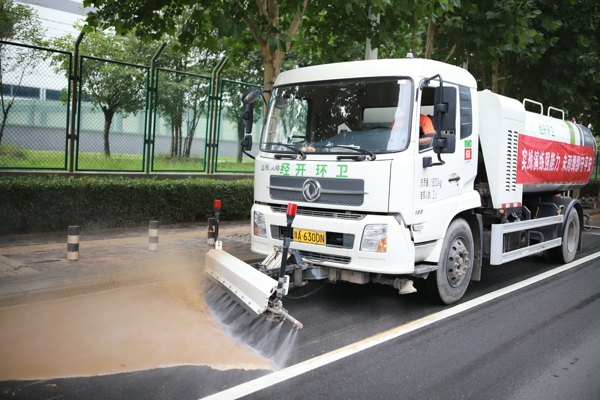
(73,243)
(153,236)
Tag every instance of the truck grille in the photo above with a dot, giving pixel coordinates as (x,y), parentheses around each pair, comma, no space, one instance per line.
(320,213)
(345,192)
(320,257)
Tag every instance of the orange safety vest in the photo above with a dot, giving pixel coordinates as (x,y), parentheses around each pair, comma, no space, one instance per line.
(426,124)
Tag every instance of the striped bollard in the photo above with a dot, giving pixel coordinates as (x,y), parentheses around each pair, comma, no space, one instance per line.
(73,243)
(153,236)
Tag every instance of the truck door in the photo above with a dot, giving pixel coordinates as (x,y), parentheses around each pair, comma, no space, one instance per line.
(440,186)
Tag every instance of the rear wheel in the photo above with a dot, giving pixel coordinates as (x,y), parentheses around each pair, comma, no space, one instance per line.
(566,252)
(449,282)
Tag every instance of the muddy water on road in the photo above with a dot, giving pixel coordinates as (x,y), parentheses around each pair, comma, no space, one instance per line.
(157,324)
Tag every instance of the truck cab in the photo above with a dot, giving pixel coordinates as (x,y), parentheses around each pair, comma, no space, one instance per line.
(343,143)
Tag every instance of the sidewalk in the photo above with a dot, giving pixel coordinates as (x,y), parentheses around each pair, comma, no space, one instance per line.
(33,267)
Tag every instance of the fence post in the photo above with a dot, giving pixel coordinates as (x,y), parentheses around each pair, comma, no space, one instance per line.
(151,95)
(215,97)
(72,131)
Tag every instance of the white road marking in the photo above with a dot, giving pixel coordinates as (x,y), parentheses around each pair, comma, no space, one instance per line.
(274,378)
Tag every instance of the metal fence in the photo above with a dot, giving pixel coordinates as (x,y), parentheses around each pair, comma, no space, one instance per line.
(111,121)
(230,157)
(120,122)
(180,126)
(34,120)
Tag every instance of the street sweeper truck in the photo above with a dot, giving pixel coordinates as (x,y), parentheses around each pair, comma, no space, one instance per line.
(347,188)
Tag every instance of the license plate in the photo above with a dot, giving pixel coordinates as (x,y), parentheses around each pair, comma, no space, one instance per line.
(312,237)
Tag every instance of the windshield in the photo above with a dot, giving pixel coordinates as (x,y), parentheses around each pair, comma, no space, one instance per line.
(339,117)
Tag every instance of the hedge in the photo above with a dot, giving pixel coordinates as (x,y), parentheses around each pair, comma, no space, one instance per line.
(50,203)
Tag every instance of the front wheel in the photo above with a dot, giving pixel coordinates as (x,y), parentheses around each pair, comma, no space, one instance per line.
(449,282)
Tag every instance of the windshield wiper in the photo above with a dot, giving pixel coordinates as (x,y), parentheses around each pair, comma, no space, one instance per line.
(302,155)
(372,156)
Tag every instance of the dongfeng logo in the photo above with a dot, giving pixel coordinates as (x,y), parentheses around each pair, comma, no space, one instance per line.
(311,189)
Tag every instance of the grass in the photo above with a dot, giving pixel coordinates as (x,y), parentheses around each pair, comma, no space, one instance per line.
(15,157)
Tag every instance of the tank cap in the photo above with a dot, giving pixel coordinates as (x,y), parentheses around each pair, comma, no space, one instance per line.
(410,55)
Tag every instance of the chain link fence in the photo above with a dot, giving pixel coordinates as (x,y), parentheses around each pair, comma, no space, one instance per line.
(34,101)
(112,115)
(230,157)
(180,125)
(114,121)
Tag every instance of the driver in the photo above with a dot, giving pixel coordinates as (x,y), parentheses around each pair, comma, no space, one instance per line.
(426,131)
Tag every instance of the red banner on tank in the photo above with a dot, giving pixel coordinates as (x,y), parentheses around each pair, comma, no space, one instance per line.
(547,161)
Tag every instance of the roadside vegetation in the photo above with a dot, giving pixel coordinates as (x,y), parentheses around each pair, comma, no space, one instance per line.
(51,203)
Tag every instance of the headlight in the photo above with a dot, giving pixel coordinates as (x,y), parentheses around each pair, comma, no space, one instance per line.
(374,238)
(260,226)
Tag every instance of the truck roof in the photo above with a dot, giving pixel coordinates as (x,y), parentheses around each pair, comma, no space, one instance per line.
(416,68)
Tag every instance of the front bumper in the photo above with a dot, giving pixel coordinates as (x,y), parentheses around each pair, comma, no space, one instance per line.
(343,252)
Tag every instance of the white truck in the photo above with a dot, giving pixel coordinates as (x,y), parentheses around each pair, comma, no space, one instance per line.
(341,142)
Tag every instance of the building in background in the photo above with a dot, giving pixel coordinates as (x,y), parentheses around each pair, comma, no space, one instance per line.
(57,18)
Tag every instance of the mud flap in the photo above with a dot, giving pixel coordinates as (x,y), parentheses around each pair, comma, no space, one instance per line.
(248,286)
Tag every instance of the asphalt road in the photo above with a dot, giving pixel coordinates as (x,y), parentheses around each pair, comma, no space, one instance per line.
(539,342)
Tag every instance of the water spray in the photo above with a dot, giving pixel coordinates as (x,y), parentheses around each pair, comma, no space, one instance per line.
(248,300)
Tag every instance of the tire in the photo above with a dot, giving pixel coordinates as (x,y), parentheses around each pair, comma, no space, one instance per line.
(567,251)
(449,282)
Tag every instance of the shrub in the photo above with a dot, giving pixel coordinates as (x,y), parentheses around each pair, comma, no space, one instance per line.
(46,203)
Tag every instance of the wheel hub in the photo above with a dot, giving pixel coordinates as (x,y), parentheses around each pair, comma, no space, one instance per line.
(457,263)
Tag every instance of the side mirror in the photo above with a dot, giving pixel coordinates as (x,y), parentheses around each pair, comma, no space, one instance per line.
(248,116)
(247,143)
(444,143)
(444,109)
(252,95)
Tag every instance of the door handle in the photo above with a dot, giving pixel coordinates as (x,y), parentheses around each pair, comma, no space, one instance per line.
(454,179)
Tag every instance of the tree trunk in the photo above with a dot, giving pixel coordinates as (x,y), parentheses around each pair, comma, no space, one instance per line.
(2,125)
(430,38)
(108,117)
(483,76)
(190,134)
(413,38)
(179,139)
(495,75)
(173,141)
(187,146)
(4,117)
(271,70)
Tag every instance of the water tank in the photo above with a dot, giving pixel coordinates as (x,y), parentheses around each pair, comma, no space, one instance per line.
(554,154)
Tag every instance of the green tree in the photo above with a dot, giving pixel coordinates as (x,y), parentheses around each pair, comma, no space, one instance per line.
(18,23)
(567,75)
(492,37)
(273,25)
(182,95)
(112,87)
